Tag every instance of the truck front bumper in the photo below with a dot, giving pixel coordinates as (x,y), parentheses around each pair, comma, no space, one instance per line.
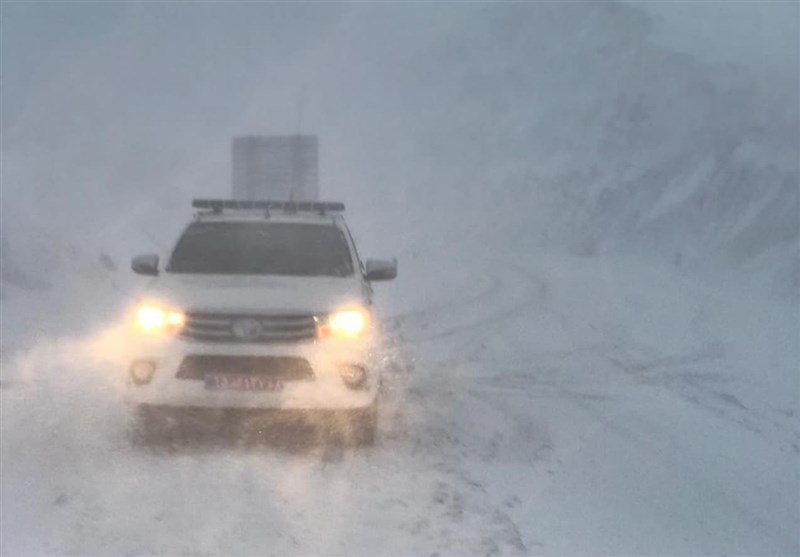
(326,390)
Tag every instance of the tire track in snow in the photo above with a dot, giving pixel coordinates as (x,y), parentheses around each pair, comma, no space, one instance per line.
(524,294)
(675,373)
(462,515)
(449,426)
(665,450)
(489,285)
(456,410)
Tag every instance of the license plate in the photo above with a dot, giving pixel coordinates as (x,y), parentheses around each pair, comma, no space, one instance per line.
(242,382)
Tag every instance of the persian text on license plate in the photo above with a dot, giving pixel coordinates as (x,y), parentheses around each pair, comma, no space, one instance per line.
(242,382)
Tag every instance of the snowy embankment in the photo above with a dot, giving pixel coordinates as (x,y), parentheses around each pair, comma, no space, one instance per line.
(536,405)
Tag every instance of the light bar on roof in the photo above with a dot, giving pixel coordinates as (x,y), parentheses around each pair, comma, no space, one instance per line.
(217,205)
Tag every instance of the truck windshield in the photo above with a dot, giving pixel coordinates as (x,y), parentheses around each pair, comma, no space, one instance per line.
(262,248)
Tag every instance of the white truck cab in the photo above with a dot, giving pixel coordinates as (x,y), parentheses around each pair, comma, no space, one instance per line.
(262,305)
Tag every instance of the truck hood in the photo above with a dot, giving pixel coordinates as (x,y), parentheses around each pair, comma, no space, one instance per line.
(255,294)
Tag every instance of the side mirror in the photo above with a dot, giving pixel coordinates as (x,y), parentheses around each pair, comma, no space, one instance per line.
(379,269)
(145,264)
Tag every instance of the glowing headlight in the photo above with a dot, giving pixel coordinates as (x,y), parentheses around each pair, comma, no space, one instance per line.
(349,323)
(152,319)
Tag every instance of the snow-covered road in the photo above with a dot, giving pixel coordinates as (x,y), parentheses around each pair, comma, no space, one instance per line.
(543,406)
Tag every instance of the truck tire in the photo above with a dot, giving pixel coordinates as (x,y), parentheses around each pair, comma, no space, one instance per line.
(364,425)
(150,426)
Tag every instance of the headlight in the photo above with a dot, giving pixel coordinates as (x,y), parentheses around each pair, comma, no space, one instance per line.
(154,319)
(350,323)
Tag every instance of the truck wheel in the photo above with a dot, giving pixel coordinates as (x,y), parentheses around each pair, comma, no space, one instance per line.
(150,426)
(364,425)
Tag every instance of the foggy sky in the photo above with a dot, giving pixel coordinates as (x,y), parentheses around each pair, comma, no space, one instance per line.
(39,38)
(126,96)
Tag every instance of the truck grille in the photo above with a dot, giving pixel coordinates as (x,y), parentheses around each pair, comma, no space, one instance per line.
(241,328)
(284,368)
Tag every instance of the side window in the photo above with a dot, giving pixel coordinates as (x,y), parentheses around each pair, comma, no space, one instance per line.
(367,287)
(171,252)
(353,247)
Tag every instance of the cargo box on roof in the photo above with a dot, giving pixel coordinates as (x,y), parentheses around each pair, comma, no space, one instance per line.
(277,167)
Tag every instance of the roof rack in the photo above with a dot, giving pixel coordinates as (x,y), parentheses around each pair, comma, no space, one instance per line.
(218,205)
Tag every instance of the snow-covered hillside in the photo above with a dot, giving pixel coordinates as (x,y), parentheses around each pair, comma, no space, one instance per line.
(569,123)
(596,326)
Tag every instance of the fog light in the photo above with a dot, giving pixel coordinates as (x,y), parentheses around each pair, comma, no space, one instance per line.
(353,376)
(142,372)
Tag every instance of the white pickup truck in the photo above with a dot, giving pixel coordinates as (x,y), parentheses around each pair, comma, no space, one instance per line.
(261,306)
